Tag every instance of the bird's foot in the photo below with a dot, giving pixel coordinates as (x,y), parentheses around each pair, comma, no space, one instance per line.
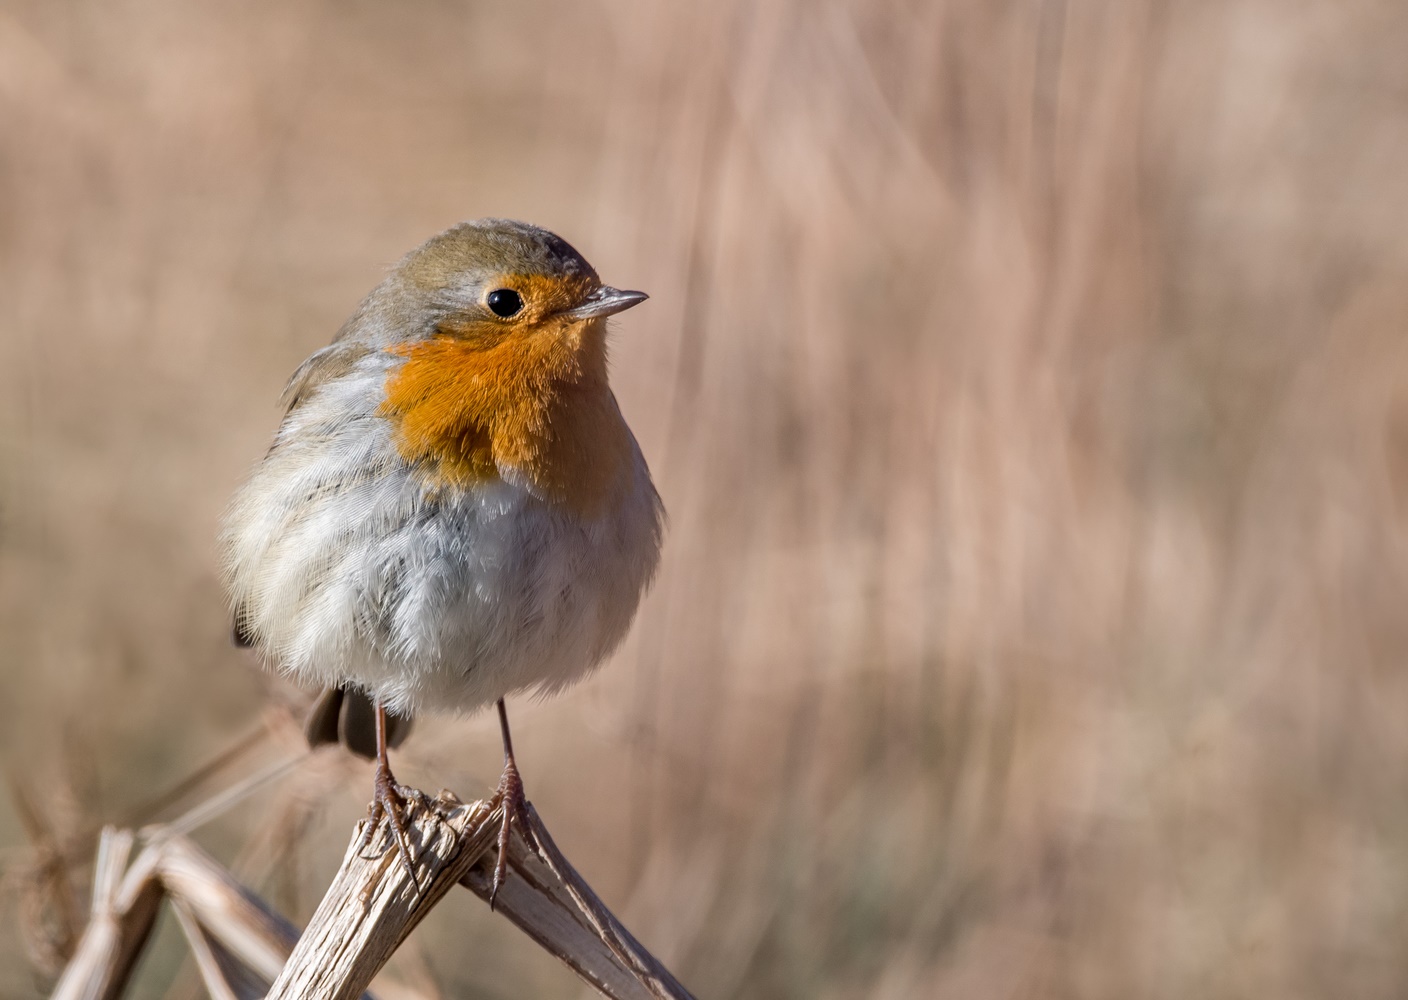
(515,806)
(394,802)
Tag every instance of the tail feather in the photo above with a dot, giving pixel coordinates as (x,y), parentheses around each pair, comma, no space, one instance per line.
(340,715)
(348,716)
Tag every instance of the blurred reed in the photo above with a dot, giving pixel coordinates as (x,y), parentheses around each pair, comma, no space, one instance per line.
(1026,383)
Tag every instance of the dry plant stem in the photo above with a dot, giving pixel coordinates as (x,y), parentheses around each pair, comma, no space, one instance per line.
(373,903)
(123,912)
(371,907)
(238,943)
(240,946)
(227,912)
(207,964)
(545,897)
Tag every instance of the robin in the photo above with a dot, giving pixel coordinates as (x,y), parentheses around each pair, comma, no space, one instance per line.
(453,509)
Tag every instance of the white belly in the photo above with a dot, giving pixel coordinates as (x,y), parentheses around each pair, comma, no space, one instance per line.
(345,568)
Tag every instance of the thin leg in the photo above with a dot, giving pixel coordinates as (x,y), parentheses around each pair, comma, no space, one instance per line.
(515,807)
(389,799)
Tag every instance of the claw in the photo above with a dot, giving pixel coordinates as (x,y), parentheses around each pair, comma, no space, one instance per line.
(515,806)
(392,801)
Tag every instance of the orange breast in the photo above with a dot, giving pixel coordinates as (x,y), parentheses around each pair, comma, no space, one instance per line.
(535,404)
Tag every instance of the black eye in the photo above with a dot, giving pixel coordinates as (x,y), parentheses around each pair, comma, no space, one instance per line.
(504,302)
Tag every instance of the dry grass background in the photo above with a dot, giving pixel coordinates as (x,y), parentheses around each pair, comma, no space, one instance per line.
(1026,382)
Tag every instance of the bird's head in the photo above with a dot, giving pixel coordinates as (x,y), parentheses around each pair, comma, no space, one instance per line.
(495,281)
(502,326)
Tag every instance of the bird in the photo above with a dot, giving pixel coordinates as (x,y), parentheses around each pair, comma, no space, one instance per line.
(453,510)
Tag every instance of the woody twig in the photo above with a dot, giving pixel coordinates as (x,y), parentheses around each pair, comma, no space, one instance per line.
(243,949)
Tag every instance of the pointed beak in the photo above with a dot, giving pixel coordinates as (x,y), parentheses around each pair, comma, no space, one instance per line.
(604,302)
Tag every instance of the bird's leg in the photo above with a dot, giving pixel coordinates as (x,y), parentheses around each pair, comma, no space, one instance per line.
(515,806)
(389,799)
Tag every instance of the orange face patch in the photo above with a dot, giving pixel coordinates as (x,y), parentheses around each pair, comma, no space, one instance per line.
(530,397)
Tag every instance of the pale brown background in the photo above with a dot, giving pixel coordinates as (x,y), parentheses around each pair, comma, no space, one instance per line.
(1026,382)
